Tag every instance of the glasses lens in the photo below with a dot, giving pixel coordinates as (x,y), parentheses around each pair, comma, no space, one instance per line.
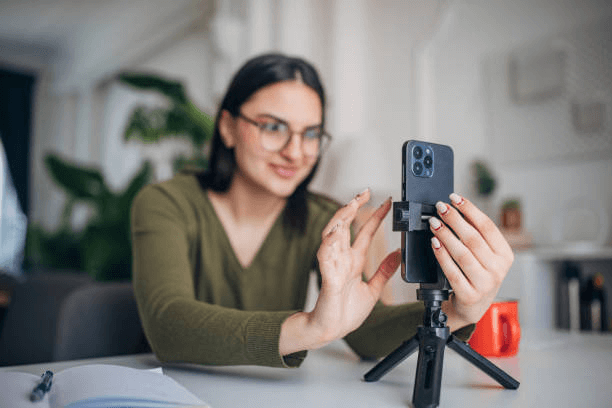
(311,146)
(274,135)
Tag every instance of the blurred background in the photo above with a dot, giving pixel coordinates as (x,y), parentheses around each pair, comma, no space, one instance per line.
(522,91)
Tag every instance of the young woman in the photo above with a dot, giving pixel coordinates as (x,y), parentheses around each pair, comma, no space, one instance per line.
(222,258)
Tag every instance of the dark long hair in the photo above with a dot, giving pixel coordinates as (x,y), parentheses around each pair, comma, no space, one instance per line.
(255,74)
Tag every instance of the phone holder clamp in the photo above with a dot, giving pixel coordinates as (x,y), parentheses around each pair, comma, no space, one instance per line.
(411,215)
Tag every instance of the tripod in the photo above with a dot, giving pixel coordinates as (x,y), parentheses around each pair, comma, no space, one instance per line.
(433,335)
(431,339)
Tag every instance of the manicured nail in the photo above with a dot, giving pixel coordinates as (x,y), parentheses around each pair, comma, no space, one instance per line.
(435,223)
(456,199)
(441,207)
(436,243)
(360,195)
(385,203)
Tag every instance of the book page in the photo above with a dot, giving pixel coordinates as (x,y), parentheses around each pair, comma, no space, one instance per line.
(107,385)
(15,390)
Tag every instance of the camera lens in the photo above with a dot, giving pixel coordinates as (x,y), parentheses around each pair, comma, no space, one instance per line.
(417,152)
(417,168)
(428,161)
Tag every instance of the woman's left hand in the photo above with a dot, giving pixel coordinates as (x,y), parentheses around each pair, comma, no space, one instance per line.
(475,258)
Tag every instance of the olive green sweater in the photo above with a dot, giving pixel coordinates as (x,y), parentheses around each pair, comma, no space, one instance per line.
(199,305)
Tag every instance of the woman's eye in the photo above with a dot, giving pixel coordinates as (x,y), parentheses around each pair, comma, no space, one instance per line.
(312,134)
(274,127)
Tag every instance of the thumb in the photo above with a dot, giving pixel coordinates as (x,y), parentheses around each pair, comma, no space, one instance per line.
(384,272)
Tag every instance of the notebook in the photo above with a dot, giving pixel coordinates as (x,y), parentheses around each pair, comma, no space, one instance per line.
(98,385)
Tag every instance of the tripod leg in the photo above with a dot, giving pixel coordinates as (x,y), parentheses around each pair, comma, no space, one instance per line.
(485,365)
(397,356)
(428,382)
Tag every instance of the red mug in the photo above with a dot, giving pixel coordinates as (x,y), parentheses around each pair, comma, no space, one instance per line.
(498,332)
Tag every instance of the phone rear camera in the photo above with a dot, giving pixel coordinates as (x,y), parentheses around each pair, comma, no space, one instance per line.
(417,168)
(428,161)
(417,152)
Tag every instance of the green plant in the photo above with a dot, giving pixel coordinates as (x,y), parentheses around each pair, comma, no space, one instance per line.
(103,247)
(180,118)
(511,204)
(485,183)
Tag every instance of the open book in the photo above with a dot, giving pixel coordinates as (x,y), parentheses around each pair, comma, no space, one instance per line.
(97,385)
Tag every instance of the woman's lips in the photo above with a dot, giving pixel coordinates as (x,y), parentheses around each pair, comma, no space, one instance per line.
(284,172)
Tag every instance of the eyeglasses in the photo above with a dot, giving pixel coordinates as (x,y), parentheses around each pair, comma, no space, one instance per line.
(275,135)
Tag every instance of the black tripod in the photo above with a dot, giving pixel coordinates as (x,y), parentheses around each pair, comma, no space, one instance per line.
(431,339)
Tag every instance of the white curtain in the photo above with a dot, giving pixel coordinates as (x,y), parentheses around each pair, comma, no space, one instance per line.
(13,222)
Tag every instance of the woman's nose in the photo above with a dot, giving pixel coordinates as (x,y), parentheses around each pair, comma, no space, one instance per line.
(294,149)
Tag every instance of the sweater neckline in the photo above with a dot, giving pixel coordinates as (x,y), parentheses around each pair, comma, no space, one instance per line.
(226,241)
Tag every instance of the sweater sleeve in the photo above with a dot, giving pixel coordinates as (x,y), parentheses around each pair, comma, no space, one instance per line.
(389,326)
(177,325)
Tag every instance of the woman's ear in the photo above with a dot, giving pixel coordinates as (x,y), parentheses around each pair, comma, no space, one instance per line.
(227,128)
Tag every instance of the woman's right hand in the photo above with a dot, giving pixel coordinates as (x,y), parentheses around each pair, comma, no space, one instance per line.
(345,299)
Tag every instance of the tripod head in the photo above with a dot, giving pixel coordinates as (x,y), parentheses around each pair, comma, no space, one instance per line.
(419,264)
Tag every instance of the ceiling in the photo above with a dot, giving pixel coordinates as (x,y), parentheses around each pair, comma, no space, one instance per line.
(80,40)
(61,34)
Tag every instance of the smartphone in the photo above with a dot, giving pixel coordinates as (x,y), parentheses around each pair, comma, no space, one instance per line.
(427,177)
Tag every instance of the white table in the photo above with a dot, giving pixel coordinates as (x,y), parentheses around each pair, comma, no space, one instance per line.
(555,369)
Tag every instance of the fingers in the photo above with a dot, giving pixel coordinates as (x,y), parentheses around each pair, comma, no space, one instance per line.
(347,213)
(366,233)
(453,273)
(384,272)
(483,224)
(333,255)
(338,238)
(467,234)
(473,243)
(458,254)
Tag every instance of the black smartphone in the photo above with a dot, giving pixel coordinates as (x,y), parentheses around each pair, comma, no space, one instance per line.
(427,177)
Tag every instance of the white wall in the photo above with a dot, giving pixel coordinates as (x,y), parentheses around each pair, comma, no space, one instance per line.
(393,70)
(473,31)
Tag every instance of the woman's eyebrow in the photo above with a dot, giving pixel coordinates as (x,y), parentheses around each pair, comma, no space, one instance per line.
(276,118)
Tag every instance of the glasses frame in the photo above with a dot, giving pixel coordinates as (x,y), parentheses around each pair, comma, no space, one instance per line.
(325,139)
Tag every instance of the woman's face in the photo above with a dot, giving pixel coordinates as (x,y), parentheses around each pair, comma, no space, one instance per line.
(278,173)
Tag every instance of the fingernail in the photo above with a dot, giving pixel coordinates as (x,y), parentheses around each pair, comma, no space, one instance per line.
(435,223)
(436,243)
(360,195)
(456,199)
(441,207)
(386,202)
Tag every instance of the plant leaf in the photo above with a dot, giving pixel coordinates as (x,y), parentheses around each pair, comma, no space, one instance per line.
(148,125)
(86,183)
(204,124)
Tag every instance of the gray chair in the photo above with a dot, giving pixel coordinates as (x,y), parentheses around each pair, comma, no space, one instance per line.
(28,329)
(99,320)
